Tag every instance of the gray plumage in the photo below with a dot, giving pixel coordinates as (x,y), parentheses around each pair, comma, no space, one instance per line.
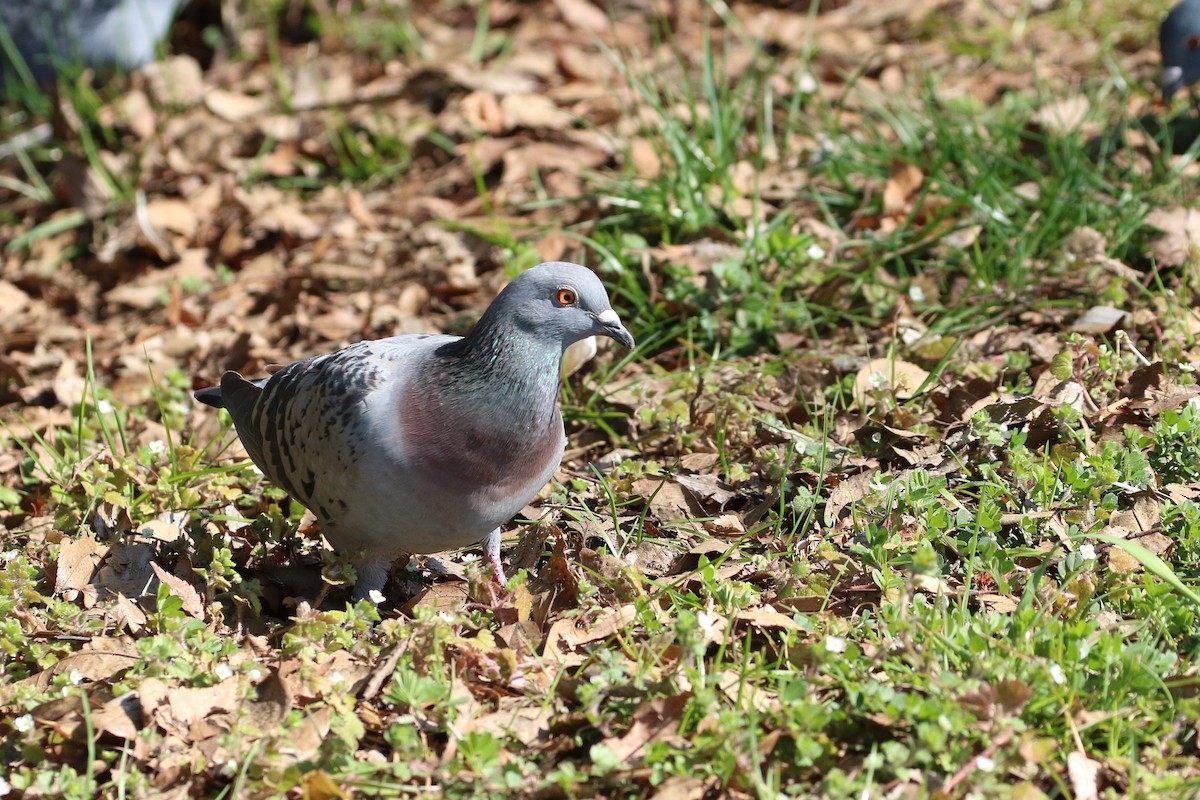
(1179,41)
(94,33)
(425,443)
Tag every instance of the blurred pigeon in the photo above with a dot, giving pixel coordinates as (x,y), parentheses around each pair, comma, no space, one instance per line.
(423,443)
(48,34)
(1179,40)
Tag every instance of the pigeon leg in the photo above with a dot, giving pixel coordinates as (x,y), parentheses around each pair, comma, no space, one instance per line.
(491,551)
(372,577)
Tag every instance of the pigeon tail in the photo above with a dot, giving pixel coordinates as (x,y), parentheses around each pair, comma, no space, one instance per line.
(210,396)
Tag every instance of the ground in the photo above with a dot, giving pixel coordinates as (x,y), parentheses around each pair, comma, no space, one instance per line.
(895,498)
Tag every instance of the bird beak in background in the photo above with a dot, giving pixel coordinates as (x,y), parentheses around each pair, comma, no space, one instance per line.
(1172,82)
(609,324)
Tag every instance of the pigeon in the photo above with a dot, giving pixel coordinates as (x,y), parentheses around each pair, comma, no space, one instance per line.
(49,34)
(1179,40)
(423,443)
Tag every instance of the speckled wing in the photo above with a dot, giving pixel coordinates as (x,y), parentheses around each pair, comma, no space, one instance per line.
(308,419)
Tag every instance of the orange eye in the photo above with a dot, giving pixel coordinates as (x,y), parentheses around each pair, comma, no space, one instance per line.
(566,297)
(1193,42)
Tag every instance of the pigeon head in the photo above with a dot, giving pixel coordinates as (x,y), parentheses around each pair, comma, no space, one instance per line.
(557,302)
(1179,40)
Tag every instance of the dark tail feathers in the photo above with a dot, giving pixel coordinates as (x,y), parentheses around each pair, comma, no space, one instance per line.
(210,396)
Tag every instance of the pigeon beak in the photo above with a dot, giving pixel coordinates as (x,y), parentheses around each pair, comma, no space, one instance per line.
(609,324)
(1172,82)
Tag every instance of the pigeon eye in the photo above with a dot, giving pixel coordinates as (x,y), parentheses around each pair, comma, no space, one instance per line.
(1193,42)
(566,297)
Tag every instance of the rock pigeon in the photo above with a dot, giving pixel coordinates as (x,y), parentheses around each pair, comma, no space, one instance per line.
(1179,40)
(425,442)
(94,33)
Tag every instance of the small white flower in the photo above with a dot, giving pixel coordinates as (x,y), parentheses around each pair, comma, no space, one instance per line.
(75,677)
(254,468)
(877,379)
(916,294)
(9,555)
(375,596)
(816,252)
(224,671)
(985,764)
(1087,552)
(1185,367)
(835,644)
(104,407)
(255,673)
(469,558)
(708,624)
(24,723)
(445,616)
(336,677)
(5,787)
(157,447)
(1056,674)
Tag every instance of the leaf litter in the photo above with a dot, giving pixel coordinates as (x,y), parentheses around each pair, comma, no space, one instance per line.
(237,250)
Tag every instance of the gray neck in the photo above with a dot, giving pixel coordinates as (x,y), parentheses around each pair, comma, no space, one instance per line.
(510,375)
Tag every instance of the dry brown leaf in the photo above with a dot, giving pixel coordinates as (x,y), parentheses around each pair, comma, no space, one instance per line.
(645,158)
(170,214)
(905,180)
(310,735)
(1084,774)
(1064,116)
(526,719)
(1145,515)
(319,785)
(536,111)
(726,525)
(192,604)
(1100,320)
(234,106)
(681,787)
(482,112)
(175,81)
(766,617)
(582,14)
(707,487)
(78,561)
(1181,234)
(564,635)
(850,490)
(654,720)
(126,570)
(889,376)
(100,660)
(120,717)
(184,705)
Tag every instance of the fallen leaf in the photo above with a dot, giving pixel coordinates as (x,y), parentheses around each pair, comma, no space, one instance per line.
(192,604)
(904,181)
(654,720)
(1084,774)
(1064,116)
(78,561)
(318,785)
(234,106)
(1181,234)
(888,376)
(1099,320)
